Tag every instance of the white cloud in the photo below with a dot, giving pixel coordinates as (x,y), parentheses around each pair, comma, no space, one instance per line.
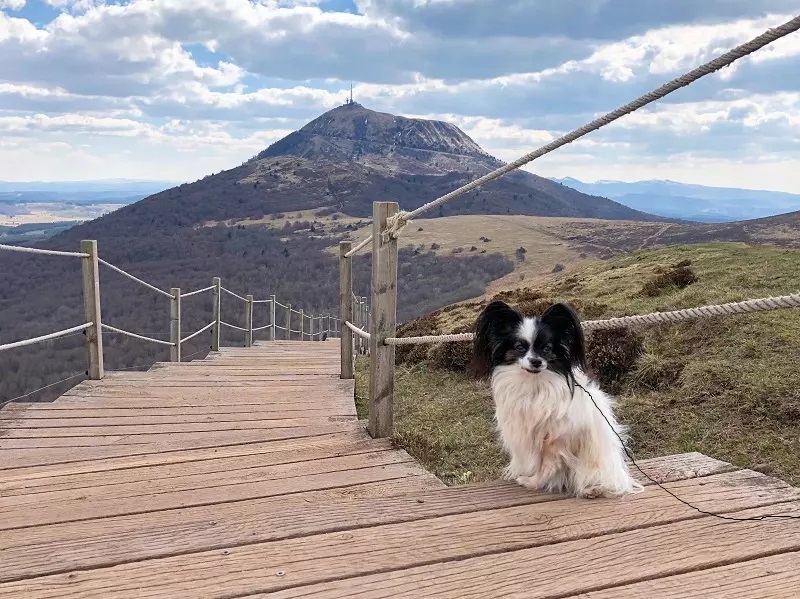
(12,4)
(189,85)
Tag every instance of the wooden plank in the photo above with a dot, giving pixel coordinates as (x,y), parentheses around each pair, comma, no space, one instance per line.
(141,388)
(21,457)
(19,430)
(265,379)
(776,577)
(177,397)
(565,532)
(322,449)
(70,506)
(50,415)
(563,568)
(178,456)
(90,543)
(293,391)
(258,361)
(203,405)
(290,447)
(174,440)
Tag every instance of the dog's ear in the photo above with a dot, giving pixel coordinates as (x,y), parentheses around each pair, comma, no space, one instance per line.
(569,342)
(489,327)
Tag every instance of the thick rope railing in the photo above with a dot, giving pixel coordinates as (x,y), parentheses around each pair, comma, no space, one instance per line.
(266,326)
(359,247)
(236,295)
(48,337)
(429,339)
(196,333)
(232,326)
(764,304)
(360,332)
(108,327)
(26,250)
(264,301)
(396,223)
(197,291)
(133,278)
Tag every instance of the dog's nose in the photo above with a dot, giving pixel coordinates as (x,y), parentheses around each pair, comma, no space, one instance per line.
(536,363)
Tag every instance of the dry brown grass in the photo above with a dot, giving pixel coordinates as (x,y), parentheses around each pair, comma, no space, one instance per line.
(728,387)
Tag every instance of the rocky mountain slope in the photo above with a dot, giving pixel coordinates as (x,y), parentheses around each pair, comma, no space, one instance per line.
(351,156)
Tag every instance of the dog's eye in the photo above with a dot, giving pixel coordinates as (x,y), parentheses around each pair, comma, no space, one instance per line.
(520,347)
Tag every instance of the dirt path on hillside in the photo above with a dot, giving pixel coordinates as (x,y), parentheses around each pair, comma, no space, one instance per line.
(655,235)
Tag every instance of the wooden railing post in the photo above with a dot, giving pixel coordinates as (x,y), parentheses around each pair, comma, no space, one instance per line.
(175,325)
(354,317)
(216,295)
(384,322)
(368,318)
(364,324)
(311,329)
(91,309)
(302,325)
(346,309)
(248,317)
(272,329)
(359,324)
(289,322)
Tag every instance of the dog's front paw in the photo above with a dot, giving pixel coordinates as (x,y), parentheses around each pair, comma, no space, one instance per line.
(529,482)
(592,492)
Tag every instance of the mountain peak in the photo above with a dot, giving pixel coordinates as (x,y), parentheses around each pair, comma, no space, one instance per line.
(353,132)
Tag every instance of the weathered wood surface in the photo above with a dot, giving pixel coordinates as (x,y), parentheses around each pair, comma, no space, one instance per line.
(179,482)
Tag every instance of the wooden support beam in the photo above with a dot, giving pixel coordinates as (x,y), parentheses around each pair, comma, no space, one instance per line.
(248,317)
(384,322)
(216,295)
(273,328)
(175,325)
(91,309)
(346,309)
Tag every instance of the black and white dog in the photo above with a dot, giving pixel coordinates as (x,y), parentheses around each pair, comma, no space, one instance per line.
(553,420)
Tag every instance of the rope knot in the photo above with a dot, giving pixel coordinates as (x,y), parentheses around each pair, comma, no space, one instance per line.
(395,224)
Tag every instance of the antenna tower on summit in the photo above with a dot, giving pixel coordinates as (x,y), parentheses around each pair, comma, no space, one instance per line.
(351,93)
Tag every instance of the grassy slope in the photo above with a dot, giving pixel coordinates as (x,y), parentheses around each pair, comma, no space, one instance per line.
(728,387)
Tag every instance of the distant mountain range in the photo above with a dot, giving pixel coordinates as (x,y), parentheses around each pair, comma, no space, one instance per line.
(116,187)
(24,204)
(700,203)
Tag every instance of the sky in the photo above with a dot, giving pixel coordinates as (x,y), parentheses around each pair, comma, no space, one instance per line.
(178,89)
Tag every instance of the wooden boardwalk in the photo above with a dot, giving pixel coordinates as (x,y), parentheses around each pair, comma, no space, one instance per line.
(248,475)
